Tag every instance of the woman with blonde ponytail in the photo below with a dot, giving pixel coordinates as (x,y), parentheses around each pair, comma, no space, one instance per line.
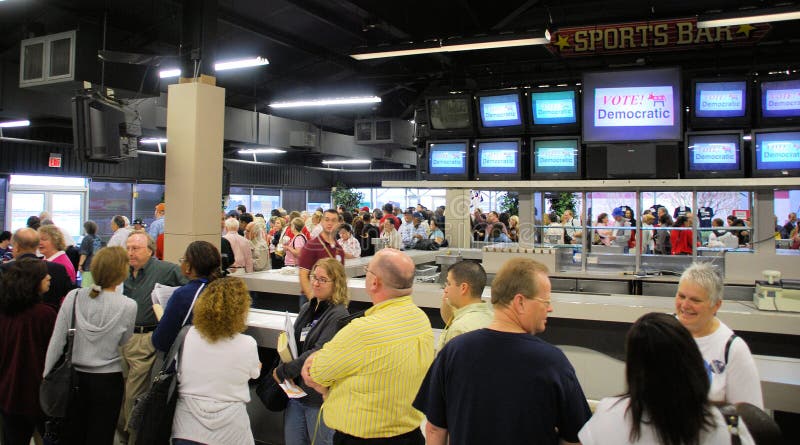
(103,321)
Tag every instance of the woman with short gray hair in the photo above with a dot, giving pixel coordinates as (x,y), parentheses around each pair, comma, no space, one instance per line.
(729,363)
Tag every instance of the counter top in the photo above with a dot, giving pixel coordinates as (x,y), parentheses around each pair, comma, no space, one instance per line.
(738,315)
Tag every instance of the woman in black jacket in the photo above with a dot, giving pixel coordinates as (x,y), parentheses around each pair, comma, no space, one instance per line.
(316,324)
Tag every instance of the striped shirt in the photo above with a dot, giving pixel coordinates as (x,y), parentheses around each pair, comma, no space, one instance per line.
(374,367)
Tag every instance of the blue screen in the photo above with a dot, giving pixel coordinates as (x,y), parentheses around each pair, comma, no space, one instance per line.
(501,157)
(448,159)
(625,106)
(555,156)
(777,151)
(780,99)
(720,99)
(500,111)
(718,152)
(553,108)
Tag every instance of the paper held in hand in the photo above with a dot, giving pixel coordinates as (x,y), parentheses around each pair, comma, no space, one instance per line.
(287,350)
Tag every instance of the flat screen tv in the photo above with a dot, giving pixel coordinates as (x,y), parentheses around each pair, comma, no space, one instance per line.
(776,153)
(448,160)
(713,154)
(450,116)
(629,106)
(779,103)
(556,158)
(498,159)
(553,110)
(499,112)
(720,103)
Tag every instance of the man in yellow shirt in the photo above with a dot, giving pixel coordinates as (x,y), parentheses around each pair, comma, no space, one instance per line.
(463,310)
(371,370)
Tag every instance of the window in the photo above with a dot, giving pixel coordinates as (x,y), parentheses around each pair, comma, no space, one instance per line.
(107,199)
(148,196)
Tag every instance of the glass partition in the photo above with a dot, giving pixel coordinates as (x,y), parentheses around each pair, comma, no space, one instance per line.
(107,199)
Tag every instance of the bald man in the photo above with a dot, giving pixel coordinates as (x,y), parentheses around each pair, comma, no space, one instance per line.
(373,367)
(26,242)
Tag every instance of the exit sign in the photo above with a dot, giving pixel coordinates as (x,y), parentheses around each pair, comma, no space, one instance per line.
(54,161)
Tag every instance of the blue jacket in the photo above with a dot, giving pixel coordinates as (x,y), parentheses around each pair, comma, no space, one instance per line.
(176,310)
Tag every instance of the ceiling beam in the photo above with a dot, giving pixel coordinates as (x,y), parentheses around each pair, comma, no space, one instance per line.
(514,14)
(239,21)
(314,10)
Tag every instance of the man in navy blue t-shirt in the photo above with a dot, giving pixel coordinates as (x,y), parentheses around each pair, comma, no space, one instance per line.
(503,385)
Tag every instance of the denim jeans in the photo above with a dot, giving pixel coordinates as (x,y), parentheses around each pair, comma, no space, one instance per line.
(300,423)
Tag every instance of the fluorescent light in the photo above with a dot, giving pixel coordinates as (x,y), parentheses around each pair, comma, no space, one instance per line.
(325,102)
(12,124)
(174,72)
(153,141)
(748,17)
(244,63)
(253,151)
(444,48)
(747,137)
(348,162)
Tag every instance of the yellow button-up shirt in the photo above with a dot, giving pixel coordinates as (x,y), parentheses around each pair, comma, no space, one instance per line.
(374,367)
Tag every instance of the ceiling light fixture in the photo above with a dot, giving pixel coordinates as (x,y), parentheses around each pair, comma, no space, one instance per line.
(348,162)
(326,102)
(265,150)
(243,63)
(220,66)
(748,17)
(153,141)
(12,124)
(452,47)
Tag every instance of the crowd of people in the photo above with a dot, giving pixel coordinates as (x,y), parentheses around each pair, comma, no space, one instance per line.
(368,378)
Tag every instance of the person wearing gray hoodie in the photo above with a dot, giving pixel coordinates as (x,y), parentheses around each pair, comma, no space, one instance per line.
(104,320)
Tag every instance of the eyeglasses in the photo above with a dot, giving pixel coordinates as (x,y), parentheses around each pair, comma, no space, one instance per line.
(181,260)
(366,270)
(547,303)
(320,280)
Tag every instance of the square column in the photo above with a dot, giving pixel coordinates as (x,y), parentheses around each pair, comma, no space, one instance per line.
(458,228)
(195,126)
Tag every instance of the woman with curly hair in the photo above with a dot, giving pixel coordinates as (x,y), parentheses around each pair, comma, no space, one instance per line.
(216,363)
(52,245)
(316,324)
(25,328)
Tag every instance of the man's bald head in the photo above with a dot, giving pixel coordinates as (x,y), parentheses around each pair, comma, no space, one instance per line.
(396,271)
(25,241)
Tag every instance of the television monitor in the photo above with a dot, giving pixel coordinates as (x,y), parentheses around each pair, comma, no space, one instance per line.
(776,153)
(779,102)
(450,116)
(448,160)
(103,130)
(720,103)
(553,110)
(633,160)
(713,154)
(499,112)
(497,159)
(556,158)
(630,106)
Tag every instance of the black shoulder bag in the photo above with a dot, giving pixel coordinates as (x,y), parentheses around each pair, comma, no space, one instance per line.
(154,410)
(58,389)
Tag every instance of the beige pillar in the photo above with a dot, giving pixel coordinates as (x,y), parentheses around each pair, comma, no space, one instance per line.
(195,123)
(456,216)
(525,231)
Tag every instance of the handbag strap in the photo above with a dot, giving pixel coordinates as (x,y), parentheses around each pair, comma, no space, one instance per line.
(191,307)
(71,330)
(175,349)
(731,417)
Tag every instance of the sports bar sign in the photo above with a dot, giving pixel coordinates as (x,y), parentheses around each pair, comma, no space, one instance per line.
(656,35)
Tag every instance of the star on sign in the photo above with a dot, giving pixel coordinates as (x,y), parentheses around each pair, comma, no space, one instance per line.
(745,29)
(562,42)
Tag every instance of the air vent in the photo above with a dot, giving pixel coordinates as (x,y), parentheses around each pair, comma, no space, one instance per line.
(395,132)
(46,60)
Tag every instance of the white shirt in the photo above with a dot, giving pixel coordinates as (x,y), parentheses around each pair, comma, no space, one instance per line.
(737,381)
(220,370)
(120,237)
(611,425)
(351,246)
